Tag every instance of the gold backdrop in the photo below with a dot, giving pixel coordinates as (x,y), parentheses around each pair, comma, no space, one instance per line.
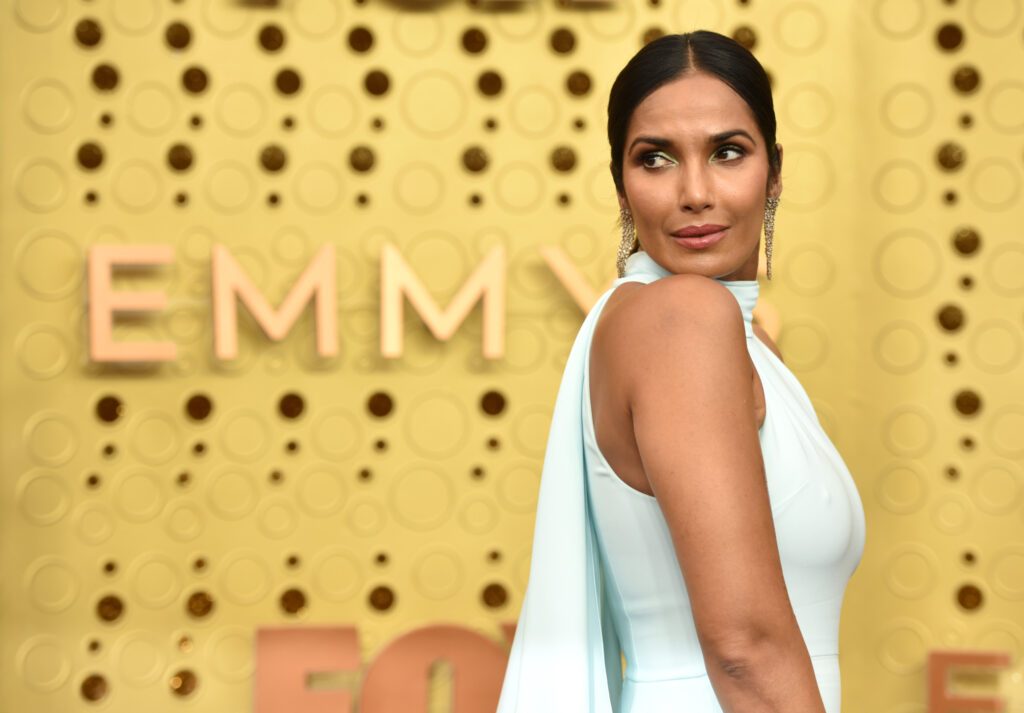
(156,515)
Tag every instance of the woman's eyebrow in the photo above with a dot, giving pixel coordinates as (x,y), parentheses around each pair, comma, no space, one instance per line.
(713,139)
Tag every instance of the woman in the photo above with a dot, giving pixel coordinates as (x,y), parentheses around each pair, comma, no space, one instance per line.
(692,512)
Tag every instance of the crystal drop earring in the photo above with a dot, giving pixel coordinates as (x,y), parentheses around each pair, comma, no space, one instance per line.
(769,230)
(629,239)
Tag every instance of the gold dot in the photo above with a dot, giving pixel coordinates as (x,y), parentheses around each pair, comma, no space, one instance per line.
(474,40)
(949,36)
(183,682)
(179,157)
(380,404)
(273,158)
(178,35)
(494,595)
(288,81)
(382,598)
(951,318)
(563,41)
(109,409)
(110,608)
(90,155)
(195,80)
(745,35)
(966,79)
(951,156)
(492,403)
(293,601)
(490,83)
(969,597)
(88,32)
(360,39)
(271,38)
(94,687)
(105,77)
(967,402)
(966,241)
(199,604)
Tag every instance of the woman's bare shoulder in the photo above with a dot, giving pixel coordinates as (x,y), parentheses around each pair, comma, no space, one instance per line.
(641,311)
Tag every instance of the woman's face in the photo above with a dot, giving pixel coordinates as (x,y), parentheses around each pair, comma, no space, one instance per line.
(687,177)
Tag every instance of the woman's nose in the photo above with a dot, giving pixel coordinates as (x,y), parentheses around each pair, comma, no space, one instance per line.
(694,189)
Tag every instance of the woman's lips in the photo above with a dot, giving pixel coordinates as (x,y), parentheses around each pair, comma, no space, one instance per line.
(703,241)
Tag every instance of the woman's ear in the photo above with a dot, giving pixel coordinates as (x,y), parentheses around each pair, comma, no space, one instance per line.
(775,185)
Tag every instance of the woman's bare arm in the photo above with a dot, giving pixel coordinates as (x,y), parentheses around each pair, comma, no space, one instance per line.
(688,380)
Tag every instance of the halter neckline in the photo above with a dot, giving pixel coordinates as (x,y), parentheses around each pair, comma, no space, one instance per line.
(641,265)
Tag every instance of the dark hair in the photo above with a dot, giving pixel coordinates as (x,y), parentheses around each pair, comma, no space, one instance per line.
(670,57)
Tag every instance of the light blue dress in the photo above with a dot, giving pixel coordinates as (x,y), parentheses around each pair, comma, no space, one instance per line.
(604,575)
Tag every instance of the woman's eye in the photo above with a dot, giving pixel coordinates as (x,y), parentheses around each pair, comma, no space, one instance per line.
(731,147)
(648,156)
(645,158)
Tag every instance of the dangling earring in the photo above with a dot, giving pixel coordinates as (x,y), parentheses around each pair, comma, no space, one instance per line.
(769,230)
(629,239)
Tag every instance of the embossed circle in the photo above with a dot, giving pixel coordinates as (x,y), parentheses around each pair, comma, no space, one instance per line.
(908,431)
(904,644)
(156,580)
(518,486)
(336,574)
(996,488)
(1007,572)
(229,187)
(316,18)
(50,438)
(417,34)
(241,110)
(810,108)
(52,585)
(518,186)
(911,570)
(152,108)
(995,184)
(951,513)
(433,104)
(48,264)
(1004,430)
(899,186)
(43,497)
(436,424)
(245,578)
(438,573)
(900,347)
(48,105)
(1004,105)
(800,28)
(41,185)
(231,493)
(1005,269)
(899,18)
(907,263)
(244,435)
(901,489)
(138,658)
(136,186)
(421,497)
(995,346)
(907,109)
(230,653)
(42,663)
(333,111)
(321,490)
